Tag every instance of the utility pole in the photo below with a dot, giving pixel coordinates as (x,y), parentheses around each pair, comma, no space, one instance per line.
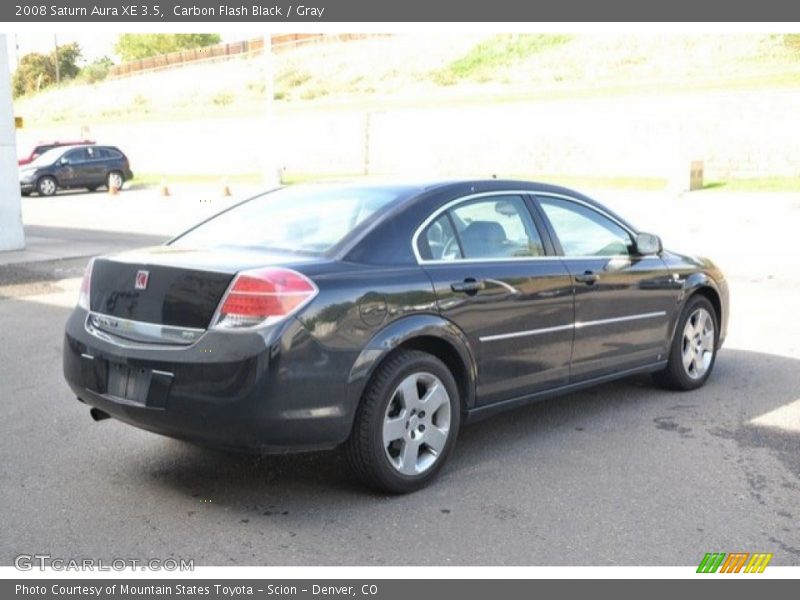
(11,232)
(270,168)
(58,73)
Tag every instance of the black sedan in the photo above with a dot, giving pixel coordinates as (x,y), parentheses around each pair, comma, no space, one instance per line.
(383,317)
(68,167)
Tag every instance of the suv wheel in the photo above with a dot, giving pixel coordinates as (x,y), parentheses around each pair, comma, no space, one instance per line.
(407,423)
(115,180)
(46,186)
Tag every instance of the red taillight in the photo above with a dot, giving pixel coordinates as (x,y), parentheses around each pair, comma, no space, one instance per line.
(84,297)
(264,295)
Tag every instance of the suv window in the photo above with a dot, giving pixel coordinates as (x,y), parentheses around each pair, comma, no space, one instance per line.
(76,156)
(494,227)
(585,232)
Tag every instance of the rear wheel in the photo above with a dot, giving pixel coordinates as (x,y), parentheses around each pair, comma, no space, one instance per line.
(46,186)
(694,347)
(115,180)
(407,423)
(92,188)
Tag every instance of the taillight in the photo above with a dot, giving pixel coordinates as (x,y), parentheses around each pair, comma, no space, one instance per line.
(84,297)
(263,296)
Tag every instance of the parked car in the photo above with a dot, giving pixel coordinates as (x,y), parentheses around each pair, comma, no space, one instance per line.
(43,147)
(68,167)
(383,317)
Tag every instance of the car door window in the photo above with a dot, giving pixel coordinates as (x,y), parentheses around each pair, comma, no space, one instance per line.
(585,232)
(76,156)
(495,227)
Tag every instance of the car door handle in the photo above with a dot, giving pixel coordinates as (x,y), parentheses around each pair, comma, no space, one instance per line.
(587,277)
(469,286)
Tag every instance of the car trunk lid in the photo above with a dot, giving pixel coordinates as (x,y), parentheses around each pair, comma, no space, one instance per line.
(172,287)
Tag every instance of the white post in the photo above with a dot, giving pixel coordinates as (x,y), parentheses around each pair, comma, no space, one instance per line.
(12,236)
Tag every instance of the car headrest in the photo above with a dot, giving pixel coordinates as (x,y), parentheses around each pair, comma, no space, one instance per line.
(484,231)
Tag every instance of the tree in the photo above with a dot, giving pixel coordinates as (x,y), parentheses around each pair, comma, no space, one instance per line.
(37,71)
(133,46)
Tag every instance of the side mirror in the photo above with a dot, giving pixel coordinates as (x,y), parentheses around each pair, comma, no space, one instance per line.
(648,243)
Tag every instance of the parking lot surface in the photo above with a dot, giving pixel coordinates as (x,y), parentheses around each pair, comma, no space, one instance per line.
(623,474)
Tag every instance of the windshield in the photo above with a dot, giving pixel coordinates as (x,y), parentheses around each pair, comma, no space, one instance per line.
(306,219)
(48,158)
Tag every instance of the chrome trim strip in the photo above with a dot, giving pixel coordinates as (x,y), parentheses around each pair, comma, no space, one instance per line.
(516,334)
(448,205)
(108,328)
(650,315)
(575,325)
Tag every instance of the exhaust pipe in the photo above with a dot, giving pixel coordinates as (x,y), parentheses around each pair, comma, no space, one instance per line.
(99,415)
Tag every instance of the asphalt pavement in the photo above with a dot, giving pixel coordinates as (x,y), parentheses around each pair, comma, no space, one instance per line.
(623,474)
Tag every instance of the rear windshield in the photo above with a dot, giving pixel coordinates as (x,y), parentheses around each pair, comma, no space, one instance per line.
(307,219)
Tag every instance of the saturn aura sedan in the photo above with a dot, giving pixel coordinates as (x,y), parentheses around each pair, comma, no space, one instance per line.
(383,317)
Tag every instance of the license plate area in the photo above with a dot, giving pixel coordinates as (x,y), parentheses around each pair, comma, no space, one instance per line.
(128,382)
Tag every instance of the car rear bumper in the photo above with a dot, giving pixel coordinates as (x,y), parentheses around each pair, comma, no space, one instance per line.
(229,390)
(27,187)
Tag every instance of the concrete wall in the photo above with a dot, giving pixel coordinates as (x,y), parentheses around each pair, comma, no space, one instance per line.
(738,134)
(11,233)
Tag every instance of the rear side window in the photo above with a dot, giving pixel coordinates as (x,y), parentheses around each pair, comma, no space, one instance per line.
(495,227)
(305,219)
(110,153)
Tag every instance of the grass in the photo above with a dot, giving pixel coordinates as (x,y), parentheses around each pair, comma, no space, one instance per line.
(759,184)
(611,182)
(615,182)
(497,51)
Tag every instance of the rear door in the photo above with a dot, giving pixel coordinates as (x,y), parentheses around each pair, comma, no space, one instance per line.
(496,277)
(623,302)
(94,171)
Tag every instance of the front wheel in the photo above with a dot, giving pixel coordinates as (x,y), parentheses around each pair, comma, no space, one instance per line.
(407,423)
(46,186)
(694,347)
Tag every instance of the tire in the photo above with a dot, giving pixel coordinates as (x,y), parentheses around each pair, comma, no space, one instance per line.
(425,439)
(693,351)
(92,188)
(25,194)
(115,179)
(46,186)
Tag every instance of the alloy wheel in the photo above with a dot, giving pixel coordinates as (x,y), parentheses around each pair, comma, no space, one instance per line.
(697,350)
(416,425)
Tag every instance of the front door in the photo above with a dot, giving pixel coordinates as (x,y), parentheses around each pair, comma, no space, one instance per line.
(513,300)
(623,302)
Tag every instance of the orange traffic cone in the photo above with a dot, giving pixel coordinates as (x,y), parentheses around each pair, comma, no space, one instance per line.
(226,190)
(164,188)
(113,190)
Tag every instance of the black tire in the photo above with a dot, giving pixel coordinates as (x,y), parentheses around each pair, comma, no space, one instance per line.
(46,186)
(675,375)
(92,188)
(365,448)
(115,174)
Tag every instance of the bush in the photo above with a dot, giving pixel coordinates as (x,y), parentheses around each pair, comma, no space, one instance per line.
(96,70)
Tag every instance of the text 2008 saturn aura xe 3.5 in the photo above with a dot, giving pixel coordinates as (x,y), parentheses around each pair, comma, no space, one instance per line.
(382,317)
